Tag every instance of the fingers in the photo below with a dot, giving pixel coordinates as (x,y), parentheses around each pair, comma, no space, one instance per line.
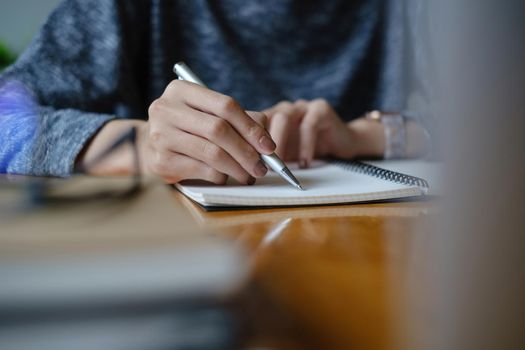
(285,117)
(306,129)
(189,122)
(212,134)
(174,167)
(309,130)
(308,140)
(202,150)
(280,128)
(272,110)
(301,104)
(221,134)
(226,108)
(260,118)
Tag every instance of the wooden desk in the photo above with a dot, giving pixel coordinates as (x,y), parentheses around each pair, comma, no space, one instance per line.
(328,277)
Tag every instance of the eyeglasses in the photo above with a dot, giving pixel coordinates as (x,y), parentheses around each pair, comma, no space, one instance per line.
(55,192)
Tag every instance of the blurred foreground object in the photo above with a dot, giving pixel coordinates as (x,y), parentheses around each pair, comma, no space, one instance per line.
(477,266)
(109,274)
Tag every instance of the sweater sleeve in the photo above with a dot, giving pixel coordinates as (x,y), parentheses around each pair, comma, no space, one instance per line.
(78,74)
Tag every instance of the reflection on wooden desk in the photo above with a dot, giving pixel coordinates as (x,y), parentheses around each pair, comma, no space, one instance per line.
(336,273)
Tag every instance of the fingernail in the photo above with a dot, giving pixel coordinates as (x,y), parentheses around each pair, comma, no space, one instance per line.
(267,143)
(251,181)
(260,169)
(303,164)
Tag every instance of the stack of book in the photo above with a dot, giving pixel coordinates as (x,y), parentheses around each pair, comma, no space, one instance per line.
(134,273)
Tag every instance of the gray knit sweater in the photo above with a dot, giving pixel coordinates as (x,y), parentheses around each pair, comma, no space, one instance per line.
(96,60)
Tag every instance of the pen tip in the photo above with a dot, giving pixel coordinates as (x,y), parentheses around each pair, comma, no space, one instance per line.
(300,187)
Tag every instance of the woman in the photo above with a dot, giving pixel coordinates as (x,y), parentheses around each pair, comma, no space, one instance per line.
(308,70)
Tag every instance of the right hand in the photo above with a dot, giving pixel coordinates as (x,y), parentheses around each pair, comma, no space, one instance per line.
(197,133)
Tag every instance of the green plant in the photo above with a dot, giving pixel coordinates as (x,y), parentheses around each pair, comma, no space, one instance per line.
(6,57)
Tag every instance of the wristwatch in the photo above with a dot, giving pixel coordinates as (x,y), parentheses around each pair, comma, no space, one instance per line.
(395,132)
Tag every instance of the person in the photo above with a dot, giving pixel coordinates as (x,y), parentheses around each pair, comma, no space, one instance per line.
(295,77)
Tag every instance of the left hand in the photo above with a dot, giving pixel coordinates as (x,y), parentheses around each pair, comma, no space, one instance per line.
(304,130)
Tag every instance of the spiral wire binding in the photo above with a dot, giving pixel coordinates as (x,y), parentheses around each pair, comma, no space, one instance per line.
(380,173)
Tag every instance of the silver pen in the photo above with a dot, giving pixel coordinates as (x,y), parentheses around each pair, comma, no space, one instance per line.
(184,72)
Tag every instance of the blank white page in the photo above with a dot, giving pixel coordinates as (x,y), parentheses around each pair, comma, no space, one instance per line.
(324,184)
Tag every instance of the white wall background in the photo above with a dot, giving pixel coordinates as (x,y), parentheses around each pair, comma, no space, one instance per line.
(21,19)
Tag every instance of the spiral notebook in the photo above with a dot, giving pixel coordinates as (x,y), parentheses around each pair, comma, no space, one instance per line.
(333,182)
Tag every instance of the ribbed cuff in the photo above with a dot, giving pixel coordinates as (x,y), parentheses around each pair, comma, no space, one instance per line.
(61,137)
